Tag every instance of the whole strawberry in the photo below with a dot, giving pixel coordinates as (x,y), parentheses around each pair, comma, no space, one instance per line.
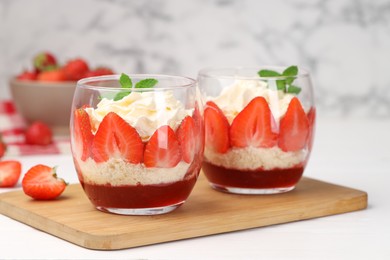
(38,133)
(75,69)
(44,61)
(56,75)
(3,147)
(41,183)
(100,71)
(9,173)
(27,75)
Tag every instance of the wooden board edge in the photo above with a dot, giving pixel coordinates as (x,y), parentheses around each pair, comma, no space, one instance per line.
(41,223)
(355,203)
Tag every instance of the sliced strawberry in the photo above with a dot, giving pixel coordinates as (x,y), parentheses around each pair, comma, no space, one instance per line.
(9,173)
(311,116)
(294,127)
(116,138)
(216,128)
(213,105)
(186,134)
(83,133)
(199,126)
(162,149)
(253,126)
(41,183)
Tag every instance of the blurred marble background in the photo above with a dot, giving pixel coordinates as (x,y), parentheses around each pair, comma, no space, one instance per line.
(344,43)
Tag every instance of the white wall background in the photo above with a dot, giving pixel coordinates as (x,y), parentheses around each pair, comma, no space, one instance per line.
(344,43)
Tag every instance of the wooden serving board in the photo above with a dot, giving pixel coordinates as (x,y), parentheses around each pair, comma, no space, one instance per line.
(73,218)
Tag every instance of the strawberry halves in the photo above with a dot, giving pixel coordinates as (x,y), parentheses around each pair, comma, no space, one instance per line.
(253,126)
(294,127)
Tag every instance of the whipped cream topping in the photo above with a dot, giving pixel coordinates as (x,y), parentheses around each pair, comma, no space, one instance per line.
(145,111)
(235,97)
(117,172)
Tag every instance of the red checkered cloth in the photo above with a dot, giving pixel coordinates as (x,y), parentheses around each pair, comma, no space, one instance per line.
(12,126)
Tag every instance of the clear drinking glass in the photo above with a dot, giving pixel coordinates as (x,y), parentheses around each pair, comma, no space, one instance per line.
(137,151)
(259,127)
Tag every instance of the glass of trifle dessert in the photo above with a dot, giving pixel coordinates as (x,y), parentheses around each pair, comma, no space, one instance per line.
(137,141)
(259,127)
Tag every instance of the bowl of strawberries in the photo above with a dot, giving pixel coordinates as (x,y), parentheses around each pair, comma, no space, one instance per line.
(45,92)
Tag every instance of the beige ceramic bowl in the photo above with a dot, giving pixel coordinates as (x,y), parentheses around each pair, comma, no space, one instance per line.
(49,102)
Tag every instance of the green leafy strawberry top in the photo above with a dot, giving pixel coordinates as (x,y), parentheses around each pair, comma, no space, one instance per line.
(286,84)
(127,83)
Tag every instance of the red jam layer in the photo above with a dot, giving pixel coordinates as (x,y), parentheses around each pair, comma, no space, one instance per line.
(139,196)
(252,179)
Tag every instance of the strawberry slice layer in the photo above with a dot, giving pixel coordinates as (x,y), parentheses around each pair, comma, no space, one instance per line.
(294,127)
(311,116)
(253,126)
(83,133)
(116,138)
(162,149)
(9,173)
(216,128)
(186,136)
(41,183)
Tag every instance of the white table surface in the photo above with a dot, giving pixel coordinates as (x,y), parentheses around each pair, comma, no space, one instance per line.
(349,152)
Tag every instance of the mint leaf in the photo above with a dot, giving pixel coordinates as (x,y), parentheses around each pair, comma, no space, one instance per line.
(290,71)
(281,85)
(290,80)
(294,89)
(121,95)
(268,73)
(146,83)
(125,81)
(284,85)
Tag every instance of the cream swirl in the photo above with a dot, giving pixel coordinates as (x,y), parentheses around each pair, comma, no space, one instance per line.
(145,111)
(235,97)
